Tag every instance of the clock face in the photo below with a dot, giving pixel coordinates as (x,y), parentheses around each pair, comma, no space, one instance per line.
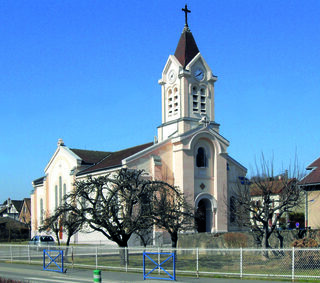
(171,76)
(199,74)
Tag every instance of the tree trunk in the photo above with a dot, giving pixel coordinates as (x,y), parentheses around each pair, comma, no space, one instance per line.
(280,237)
(67,248)
(266,240)
(174,239)
(57,236)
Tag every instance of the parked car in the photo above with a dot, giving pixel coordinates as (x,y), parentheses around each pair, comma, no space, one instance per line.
(42,242)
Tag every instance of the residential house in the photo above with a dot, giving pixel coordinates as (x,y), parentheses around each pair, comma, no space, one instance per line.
(311,184)
(11,208)
(25,213)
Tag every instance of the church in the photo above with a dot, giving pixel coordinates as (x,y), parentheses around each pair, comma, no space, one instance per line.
(189,151)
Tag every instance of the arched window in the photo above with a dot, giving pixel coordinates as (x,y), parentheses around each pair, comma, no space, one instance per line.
(232,209)
(56,196)
(198,99)
(64,190)
(60,190)
(41,211)
(201,159)
(173,101)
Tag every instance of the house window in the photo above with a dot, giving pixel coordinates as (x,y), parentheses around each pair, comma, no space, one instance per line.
(201,159)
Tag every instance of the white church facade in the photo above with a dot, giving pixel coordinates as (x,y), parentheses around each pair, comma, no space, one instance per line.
(189,152)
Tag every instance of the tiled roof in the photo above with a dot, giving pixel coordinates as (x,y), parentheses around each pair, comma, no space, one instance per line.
(274,186)
(114,159)
(90,156)
(313,177)
(17,204)
(187,48)
(27,201)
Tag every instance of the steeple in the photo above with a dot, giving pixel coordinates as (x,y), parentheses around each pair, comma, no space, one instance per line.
(187,89)
(187,48)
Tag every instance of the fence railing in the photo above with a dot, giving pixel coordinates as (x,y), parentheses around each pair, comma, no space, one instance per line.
(294,263)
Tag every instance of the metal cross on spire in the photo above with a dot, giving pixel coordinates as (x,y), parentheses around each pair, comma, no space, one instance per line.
(186,11)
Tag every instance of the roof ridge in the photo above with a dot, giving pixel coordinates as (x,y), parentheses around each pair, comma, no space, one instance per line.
(114,159)
(97,162)
(131,147)
(89,150)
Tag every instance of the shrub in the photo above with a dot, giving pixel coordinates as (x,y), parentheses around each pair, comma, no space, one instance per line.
(306,259)
(235,240)
(305,243)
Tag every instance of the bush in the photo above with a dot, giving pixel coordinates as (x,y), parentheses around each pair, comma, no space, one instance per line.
(305,243)
(306,259)
(235,240)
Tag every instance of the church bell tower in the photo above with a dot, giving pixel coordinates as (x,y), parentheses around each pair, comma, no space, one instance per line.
(187,87)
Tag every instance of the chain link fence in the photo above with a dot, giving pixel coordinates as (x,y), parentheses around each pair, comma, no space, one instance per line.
(294,263)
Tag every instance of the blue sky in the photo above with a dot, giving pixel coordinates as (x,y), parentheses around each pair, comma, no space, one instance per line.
(87,72)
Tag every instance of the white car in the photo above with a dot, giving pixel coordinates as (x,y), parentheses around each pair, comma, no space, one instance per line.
(43,242)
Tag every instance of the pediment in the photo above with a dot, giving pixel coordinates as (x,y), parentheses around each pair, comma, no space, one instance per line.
(172,63)
(189,139)
(63,155)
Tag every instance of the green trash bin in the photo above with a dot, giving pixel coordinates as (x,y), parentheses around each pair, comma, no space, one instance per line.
(96,275)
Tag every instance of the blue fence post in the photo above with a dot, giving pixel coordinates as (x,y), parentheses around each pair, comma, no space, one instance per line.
(144,265)
(174,265)
(62,269)
(44,259)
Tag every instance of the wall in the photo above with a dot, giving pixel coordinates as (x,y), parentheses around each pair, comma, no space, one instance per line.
(237,239)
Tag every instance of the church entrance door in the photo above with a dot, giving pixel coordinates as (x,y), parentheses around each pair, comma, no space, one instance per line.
(204,216)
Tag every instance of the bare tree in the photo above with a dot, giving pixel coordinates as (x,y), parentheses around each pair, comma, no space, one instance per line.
(126,202)
(52,223)
(171,210)
(260,203)
(117,205)
(69,221)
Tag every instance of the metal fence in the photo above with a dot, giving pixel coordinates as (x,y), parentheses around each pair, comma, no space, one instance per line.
(294,263)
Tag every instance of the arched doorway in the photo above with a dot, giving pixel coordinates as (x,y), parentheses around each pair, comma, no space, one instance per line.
(204,216)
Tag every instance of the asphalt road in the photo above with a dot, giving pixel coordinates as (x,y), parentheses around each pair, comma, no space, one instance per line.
(34,273)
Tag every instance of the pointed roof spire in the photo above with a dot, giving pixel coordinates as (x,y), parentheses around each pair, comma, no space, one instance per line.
(187,48)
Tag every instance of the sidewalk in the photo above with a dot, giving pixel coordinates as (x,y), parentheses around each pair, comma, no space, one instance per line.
(34,273)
